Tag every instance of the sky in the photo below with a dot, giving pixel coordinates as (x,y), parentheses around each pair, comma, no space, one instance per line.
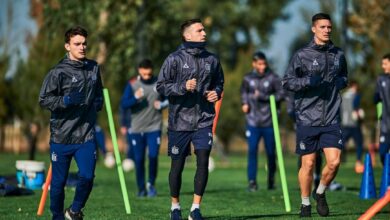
(16,26)
(286,31)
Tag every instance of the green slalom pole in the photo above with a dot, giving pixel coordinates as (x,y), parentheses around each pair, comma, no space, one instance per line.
(279,153)
(116,150)
(379,110)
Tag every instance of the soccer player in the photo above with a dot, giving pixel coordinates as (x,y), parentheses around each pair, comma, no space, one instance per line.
(72,91)
(192,79)
(382,94)
(316,74)
(351,118)
(256,88)
(146,122)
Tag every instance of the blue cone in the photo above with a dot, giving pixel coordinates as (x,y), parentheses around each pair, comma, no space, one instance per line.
(385,176)
(367,187)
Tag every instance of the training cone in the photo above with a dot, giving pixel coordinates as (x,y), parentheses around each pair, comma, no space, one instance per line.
(385,176)
(367,187)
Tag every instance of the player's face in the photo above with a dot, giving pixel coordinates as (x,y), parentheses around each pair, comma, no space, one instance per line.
(386,65)
(322,30)
(77,47)
(195,33)
(145,73)
(260,66)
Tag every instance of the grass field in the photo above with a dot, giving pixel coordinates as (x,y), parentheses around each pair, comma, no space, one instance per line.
(225,198)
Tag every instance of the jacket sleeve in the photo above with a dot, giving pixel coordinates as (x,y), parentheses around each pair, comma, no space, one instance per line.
(279,91)
(292,80)
(343,76)
(219,80)
(98,101)
(128,99)
(50,96)
(244,91)
(166,84)
(125,117)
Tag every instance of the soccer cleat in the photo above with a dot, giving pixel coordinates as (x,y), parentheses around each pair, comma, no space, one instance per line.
(152,192)
(70,215)
(335,186)
(305,211)
(142,193)
(322,205)
(175,214)
(195,215)
(252,187)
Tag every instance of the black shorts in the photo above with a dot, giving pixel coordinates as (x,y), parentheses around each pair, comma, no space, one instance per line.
(312,139)
(179,142)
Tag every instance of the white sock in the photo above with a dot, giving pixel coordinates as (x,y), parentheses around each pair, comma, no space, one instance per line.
(321,189)
(175,206)
(305,200)
(194,206)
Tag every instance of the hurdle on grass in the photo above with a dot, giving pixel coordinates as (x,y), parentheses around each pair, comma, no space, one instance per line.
(116,150)
(279,153)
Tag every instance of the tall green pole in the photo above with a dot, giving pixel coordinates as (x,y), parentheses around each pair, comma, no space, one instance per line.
(279,153)
(116,150)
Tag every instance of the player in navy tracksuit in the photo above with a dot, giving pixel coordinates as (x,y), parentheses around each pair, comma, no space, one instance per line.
(146,122)
(316,74)
(192,79)
(256,88)
(382,94)
(72,91)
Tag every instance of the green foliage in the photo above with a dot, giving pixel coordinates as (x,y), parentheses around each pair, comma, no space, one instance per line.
(123,32)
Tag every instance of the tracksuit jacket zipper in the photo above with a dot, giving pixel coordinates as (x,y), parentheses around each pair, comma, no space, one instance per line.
(324,102)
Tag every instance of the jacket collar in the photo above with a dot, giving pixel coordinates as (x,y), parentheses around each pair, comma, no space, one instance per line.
(193,48)
(329,45)
(74,63)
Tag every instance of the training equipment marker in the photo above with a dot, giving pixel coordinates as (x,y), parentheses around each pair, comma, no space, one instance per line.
(116,150)
(46,185)
(279,153)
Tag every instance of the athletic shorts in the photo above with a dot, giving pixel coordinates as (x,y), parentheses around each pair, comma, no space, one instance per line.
(312,139)
(179,142)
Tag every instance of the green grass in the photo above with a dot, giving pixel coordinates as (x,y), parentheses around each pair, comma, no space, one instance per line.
(225,198)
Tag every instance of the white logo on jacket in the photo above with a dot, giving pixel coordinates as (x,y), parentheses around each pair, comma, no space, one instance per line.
(74,79)
(207,67)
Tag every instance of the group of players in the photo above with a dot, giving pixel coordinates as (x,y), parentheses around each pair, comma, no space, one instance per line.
(190,81)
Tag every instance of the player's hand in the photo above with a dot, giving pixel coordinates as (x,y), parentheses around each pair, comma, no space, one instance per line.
(211,96)
(245,108)
(191,85)
(139,93)
(123,130)
(157,105)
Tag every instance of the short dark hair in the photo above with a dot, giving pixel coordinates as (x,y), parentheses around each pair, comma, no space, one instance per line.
(145,64)
(186,24)
(73,31)
(320,16)
(259,56)
(386,56)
